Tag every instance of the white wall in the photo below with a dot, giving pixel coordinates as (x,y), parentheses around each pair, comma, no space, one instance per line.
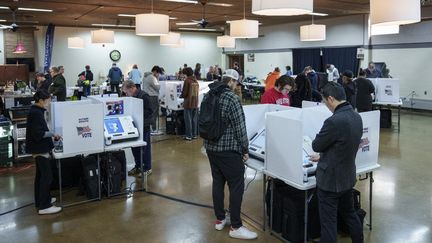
(266,62)
(143,51)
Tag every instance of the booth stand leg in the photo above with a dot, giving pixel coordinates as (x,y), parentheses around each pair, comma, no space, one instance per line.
(371,181)
(60,181)
(264,202)
(306,217)
(99,176)
(271,204)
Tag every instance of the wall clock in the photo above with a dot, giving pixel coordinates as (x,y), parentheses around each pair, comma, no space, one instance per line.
(115,55)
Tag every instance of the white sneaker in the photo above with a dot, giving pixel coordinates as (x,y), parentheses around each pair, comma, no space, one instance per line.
(50,210)
(242,233)
(53,200)
(220,224)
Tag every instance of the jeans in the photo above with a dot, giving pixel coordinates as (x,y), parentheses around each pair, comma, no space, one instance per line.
(146,153)
(191,122)
(42,184)
(227,167)
(86,90)
(330,203)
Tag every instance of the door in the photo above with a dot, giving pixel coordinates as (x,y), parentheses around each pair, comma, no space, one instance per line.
(232,58)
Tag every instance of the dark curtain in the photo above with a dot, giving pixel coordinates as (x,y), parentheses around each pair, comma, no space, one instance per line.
(306,57)
(342,58)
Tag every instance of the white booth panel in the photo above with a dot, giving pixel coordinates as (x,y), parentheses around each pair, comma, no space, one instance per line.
(307,104)
(367,155)
(386,90)
(284,145)
(313,119)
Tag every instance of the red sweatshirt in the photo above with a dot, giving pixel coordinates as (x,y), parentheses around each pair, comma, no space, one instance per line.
(272,96)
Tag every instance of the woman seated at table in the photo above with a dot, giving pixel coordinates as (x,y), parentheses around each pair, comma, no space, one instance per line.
(39,143)
(279,93)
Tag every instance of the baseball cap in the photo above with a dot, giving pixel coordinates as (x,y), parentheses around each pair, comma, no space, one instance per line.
(348,73)
(232,74)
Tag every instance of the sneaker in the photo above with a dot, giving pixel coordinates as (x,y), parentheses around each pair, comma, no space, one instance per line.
(147,172)
(187,138)
(242,233)
(134,172)
(220,224)
(53,200)
(50,210)
(194,137)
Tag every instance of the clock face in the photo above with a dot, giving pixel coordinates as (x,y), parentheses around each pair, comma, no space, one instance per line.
(115,55)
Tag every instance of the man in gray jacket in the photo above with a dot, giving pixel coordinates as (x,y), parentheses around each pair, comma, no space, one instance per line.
(337,142)
(151,87)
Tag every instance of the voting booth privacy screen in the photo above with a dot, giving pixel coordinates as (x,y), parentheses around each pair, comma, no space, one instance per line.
(287,133)
(170,91)
(386,90)
(80,125)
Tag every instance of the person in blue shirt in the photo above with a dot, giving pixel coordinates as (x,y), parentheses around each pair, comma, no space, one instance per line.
(115,76)
(289,71)
(135,76)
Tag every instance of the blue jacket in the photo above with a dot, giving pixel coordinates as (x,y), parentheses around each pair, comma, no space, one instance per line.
(115,75)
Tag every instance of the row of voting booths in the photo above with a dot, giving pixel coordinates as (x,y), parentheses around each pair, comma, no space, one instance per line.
(279,145)
(97,126)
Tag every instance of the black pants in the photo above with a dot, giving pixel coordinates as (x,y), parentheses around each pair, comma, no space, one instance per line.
(116,88)
(329,205)
(227,167)
(42,183)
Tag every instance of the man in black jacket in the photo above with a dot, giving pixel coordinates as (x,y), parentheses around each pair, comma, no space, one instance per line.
(337,143)
(130,89)
(365,89)
(58,86)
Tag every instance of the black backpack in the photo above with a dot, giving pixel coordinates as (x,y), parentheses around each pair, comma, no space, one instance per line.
(211,126)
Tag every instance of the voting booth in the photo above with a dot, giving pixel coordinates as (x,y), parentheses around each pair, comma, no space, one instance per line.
(80,124)
(386,90)
(255,116)
(122,120)
(289,135)
(170,91)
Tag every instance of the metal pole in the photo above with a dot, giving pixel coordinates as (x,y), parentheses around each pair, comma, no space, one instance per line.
(60,181)
(306,216)
(271,204)
(371,181)
(264,202)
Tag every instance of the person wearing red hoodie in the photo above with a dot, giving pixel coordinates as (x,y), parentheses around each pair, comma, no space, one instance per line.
(271,79)
(279,93)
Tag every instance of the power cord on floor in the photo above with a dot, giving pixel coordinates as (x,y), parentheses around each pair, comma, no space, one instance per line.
(16,209)
(247,185)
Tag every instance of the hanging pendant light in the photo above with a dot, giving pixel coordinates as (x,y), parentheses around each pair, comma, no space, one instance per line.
(151,24)
(171,39)
(384,29)
(395,12)
(225,41)
(282,7)
(20,48)
(76,43)
(244,28)
(102,36)
(313,32)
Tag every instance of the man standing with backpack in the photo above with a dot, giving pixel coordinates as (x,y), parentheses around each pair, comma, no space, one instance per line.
(227,150)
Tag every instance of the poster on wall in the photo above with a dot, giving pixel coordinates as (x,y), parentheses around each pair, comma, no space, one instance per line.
(251,57)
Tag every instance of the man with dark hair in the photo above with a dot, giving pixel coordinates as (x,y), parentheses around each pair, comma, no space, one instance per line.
(337,142)
(115,76)
(372,72)
(88,74)
(58,86)
(151,86)
(227,156)
(279,94)
(350,87)
(41,82)
(130,89)
(365,89)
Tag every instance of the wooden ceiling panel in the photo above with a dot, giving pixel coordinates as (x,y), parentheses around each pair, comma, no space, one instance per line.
(89,12)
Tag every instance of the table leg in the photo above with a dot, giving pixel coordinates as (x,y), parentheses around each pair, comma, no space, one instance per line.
(271,204)
(60,182)
(108,174)
(306,217)
(371,181)
(144,174)
(99,176)
(264,201)
(399,110)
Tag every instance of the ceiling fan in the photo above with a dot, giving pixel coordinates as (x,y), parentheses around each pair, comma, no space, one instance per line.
(202,23)
(13,27)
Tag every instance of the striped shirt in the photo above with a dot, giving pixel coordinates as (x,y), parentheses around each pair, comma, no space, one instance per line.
(235,136)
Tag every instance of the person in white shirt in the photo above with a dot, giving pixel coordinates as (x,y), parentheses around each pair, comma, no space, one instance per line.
(333,73)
